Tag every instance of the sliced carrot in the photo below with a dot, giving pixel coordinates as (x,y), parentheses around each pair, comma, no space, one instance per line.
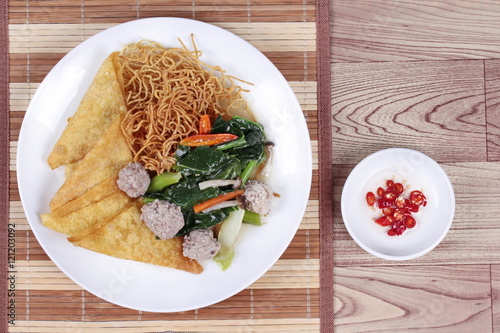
(207,139)
(205,125)
(214,201)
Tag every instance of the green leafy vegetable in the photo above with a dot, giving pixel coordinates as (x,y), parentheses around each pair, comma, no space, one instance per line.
(248,148)
(239,157)
(187,193)
(181,151)
(194,220)
(210,162)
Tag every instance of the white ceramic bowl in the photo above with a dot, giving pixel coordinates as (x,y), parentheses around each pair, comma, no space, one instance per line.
(418,172)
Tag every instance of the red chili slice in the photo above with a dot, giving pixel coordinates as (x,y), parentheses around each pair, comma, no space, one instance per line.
(207,139)
(390,219)
(398,188)
(205,126)
(389,196)
(392,232)
(400,228)
(370,199)
(412,208)
(417,198)
(400,202)
(388,211)
(398,214)
(410,222)
(383,221)
(382,203)
(397,210)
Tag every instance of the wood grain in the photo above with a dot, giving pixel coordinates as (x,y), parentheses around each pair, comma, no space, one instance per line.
(473,237)
(495,296)
(435,107)
(423,299)
(492,86)
(377,30)
(423,75)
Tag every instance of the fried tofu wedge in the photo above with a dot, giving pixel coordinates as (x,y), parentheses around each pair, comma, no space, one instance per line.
(127,237)
(103,100)
(104,160)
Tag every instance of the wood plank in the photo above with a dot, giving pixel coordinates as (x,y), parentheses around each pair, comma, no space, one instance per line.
(434,107)
(477,193)
(492,83)
(221,325)
(378,30)
(421,299)
(495,296)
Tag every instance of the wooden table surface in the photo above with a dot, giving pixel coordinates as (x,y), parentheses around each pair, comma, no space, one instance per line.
(423,75)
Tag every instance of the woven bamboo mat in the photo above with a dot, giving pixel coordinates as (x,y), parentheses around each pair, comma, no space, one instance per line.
(287,298)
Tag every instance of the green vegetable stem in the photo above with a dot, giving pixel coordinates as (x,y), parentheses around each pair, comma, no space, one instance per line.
(161,181)
(252,218)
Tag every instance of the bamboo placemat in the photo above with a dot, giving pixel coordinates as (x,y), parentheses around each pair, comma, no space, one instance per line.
(287,298)
(4,162)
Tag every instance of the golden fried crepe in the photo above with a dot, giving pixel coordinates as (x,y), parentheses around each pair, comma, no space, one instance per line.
(81,219)
(97,193)
(110,154)
(101,103)
(127,237)
(70,167)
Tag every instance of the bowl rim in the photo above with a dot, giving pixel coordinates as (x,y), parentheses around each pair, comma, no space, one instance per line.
(368,249)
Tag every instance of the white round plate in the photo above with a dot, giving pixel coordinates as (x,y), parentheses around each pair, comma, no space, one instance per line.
(142,286)
(418,172)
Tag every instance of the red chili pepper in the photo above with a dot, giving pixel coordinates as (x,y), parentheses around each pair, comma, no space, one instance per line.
(205,125)
(398,188)
(397,210)
(417,198)
(207,139)
(370,198)
(383,221)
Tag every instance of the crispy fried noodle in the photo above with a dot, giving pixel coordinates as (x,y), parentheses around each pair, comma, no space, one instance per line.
(166,91)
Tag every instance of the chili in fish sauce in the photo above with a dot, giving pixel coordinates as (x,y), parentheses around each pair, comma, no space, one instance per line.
(396,209)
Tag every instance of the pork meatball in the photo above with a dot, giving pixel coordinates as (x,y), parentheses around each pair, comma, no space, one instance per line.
(163,218)
(258,197)
(133,179)
(200,244)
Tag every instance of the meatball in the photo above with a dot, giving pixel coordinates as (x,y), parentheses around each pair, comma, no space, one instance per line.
(163,218)
(258,197)
(133,179)
(200,244)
